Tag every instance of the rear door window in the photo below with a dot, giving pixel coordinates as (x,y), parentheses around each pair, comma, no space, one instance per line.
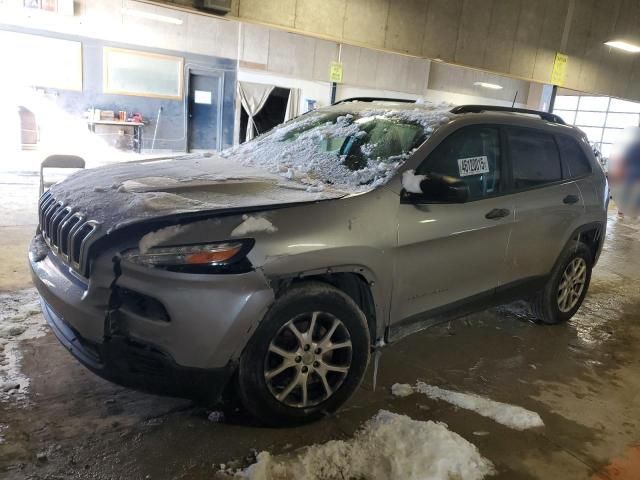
(576,162)
(535,159)
(471,154)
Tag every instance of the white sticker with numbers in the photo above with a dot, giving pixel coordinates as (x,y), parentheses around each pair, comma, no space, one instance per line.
(473,166)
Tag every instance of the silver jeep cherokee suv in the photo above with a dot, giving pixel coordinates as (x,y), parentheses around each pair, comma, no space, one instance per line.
(277,267)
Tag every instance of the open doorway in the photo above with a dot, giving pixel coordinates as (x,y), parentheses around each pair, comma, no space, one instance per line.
(272,113)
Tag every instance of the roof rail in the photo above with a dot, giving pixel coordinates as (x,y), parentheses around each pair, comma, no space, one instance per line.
(374,99)
(549,117)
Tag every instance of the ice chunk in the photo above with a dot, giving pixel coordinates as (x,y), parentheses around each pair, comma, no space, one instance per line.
(388,446)
(411,181)
(401,389)
(216,416)
(160,201)
(140,184)
(511,416)
(253,224)
(157,237)
(40,248)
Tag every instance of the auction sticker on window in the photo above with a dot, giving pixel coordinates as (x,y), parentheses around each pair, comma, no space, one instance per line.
(473,166)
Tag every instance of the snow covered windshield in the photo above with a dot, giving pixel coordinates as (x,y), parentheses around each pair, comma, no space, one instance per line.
(353,147)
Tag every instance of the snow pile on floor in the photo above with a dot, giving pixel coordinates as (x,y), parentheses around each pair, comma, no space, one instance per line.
(388,446)
(307,160)
(401,389)
(508,415)
(20,319)
(252,224)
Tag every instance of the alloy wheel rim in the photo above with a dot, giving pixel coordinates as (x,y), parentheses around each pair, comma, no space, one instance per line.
(572,284)
(308,359)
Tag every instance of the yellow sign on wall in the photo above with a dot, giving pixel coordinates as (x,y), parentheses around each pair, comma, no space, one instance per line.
(335,72)
(559,72)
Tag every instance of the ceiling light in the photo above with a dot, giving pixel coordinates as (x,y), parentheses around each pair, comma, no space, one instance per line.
(622,45)
(492,86)
(151,16)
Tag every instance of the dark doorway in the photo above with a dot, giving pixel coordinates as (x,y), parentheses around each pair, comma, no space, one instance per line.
(204,106)
(272,113)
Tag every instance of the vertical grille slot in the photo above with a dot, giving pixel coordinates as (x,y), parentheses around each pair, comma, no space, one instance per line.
(46,215)
(66,232)
(56,220)
(43,203)
(49,214)
(77,240)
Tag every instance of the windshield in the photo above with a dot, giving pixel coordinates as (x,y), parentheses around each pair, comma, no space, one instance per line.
(353,150)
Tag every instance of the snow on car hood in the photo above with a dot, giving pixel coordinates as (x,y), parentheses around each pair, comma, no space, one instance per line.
(124,193)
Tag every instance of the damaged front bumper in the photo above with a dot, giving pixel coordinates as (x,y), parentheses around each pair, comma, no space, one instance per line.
(164,332)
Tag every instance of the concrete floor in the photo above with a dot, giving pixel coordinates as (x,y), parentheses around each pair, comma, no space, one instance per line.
(583,378)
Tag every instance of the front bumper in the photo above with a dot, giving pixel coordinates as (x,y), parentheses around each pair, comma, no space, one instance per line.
(190,352)
(139,366)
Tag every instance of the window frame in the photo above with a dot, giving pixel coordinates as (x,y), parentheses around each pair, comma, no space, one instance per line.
(108,53)
(504,171)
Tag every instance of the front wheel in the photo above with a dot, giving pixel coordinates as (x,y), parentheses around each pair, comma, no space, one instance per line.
(567,286)
(307,356)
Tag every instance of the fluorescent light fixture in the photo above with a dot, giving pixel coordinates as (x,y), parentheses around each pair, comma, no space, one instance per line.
(151,16)
(492,86)
(622,45)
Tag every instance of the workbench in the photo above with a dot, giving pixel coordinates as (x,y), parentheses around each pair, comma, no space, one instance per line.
(137,130)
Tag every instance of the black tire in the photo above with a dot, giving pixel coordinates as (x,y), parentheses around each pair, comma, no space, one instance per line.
(296,302)
(546,304)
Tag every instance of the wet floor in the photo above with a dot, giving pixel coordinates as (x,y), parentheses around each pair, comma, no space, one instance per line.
(582,378)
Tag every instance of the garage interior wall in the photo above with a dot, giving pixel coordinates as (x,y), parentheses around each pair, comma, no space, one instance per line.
(262,55)
(511,37)
(295,61)
(171,125)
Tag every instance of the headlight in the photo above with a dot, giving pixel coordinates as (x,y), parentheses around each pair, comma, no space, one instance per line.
(201,258)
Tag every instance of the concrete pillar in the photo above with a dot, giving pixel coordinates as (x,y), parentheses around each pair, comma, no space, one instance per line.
(539,96)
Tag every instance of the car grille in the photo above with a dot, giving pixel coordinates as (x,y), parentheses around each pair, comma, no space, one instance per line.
(67,232)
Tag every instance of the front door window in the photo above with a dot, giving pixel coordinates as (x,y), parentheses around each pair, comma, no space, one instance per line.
(471,154)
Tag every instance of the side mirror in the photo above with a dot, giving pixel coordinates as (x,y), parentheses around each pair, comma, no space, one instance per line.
(440,189)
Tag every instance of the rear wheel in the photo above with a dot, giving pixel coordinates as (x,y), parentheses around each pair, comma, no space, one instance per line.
(567,286)
(307,356)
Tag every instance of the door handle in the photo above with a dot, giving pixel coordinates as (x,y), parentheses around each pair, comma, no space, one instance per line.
(570,199)
(497,213)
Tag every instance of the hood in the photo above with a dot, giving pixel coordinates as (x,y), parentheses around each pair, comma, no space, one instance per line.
(125,193)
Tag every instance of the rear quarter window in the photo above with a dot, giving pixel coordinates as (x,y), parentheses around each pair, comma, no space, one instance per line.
(575,161)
